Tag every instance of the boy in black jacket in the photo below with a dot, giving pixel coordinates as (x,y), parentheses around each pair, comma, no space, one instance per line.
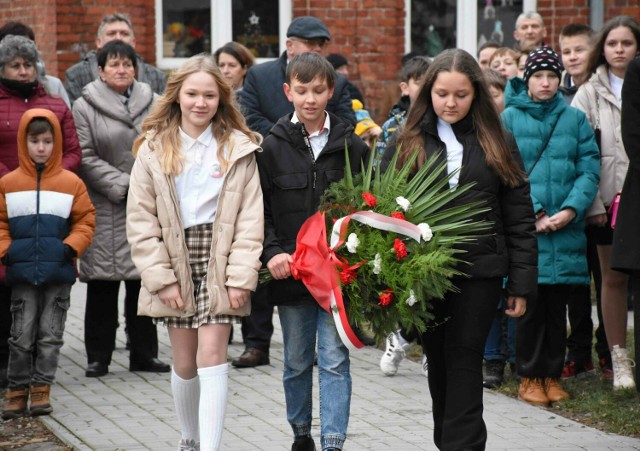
(303,155)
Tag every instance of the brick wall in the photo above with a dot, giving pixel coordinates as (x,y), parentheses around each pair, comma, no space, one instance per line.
(66,29)
(370,34)
(558,13)
(42,18)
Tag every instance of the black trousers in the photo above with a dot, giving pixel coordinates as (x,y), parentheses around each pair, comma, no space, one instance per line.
(542,333)
(257,328)
(580,340)
(455,348)
(101,322)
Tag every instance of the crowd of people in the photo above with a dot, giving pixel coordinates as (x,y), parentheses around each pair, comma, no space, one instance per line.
(184,187)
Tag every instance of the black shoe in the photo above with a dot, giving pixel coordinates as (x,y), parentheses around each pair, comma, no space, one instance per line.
(153,365)
(303,444)
(493,373)
(96,369)
(250,358)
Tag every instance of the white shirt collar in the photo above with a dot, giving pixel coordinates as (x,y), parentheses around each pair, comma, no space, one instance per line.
(204,139)
(325,127)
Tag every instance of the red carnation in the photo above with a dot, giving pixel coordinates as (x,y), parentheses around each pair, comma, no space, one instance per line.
(397,215)
(400,248)
(369,199)
(347,276)
(386,297)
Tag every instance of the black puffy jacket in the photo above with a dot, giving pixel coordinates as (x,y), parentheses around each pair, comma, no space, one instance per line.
(510,247)
(290,197)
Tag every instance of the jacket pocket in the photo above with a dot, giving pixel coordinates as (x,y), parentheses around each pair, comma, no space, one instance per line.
(289,195)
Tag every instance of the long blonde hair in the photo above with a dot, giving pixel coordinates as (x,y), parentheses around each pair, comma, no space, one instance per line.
(164,119)
(483,112)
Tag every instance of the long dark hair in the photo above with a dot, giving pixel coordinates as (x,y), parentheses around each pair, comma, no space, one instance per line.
(483,113)
(596,57)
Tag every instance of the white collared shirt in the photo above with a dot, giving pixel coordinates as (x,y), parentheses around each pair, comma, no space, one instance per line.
(317,139)
(454,150)
(200,182)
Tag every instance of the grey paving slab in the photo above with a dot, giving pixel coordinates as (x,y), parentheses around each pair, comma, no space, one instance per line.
(134,411)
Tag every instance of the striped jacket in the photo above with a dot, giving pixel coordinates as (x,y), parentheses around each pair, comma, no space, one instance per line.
(41,211)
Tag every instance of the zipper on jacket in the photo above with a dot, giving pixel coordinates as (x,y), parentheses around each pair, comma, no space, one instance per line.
(39,169)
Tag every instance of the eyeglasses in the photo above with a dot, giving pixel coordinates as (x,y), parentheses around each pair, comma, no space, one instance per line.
(311,43)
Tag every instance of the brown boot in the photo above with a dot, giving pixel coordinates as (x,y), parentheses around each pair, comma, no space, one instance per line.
(554,390)
(532,391)
(40,400)
(16,403)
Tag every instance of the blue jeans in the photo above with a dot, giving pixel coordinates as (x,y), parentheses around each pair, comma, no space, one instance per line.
(300,325)
(495,348)
(39,314)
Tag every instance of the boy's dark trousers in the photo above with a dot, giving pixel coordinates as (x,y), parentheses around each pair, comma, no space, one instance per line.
(39,315)
(101,322)
(580,339)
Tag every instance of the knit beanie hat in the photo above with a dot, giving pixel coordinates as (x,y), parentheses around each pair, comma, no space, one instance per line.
(543,58)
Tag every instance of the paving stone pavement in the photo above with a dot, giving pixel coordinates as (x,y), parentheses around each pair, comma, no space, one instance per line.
(134,411)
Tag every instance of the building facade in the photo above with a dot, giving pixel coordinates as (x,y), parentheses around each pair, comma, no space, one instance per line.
(372,34)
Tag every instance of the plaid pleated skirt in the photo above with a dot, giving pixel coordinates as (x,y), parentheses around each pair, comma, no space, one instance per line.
(198,239)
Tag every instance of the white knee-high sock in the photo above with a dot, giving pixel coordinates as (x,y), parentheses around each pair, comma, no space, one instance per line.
(186,397)
(213,404)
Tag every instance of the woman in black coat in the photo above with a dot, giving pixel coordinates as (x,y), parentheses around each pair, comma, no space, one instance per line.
(626,239)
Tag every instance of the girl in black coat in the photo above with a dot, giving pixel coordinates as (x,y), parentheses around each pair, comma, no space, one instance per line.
(626,240)
(454,118)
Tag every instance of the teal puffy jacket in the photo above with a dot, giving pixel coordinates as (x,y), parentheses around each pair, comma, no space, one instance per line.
(566,176)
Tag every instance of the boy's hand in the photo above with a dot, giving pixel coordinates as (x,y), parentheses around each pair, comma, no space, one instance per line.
(170,296)
(516,306)
(238,297)
(280,266)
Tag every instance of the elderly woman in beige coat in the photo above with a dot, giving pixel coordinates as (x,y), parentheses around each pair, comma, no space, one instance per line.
(600,99)
(108,117)
(195,222)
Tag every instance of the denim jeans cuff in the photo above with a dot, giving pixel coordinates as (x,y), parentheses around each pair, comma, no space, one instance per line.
(301,430)
(332,441)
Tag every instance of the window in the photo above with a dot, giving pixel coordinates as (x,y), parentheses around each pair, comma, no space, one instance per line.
(434,25)
(496,21)
(187,27)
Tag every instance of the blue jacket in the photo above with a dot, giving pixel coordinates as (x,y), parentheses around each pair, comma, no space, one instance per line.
(565,176)
(263,101)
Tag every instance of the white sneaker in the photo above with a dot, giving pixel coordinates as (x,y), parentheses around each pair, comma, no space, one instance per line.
(425,365)
(393,355)
(622,364)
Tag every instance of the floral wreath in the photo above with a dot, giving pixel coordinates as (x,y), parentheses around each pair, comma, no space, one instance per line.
(392,247)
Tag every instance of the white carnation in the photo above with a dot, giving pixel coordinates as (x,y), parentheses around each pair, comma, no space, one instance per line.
(425,231)
(411,299)
(404,203)
(352,243)
(377,264)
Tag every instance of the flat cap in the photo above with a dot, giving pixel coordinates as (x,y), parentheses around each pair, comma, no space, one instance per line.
(308,27)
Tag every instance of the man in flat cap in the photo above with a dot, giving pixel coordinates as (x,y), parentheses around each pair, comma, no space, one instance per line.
(262,98)
(263,102)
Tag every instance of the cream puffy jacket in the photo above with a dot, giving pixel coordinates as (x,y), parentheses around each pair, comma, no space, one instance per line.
(156,234)
(601,106)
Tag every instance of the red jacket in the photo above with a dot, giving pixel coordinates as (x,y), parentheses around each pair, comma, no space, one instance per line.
(12,107)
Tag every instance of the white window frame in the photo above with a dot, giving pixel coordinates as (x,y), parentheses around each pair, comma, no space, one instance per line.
(466,23)
(221,25)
